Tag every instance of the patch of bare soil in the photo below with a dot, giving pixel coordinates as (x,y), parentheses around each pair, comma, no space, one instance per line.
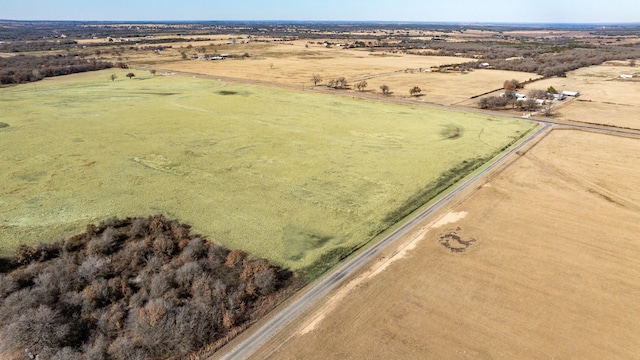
(549,270)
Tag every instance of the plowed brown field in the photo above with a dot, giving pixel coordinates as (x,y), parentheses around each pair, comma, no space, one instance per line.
(542,262)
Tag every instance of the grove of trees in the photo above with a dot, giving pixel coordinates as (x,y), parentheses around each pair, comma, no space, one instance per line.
(339,83)
(143,288)
(26,68)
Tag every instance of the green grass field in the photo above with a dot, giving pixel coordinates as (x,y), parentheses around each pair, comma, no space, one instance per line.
(290,176)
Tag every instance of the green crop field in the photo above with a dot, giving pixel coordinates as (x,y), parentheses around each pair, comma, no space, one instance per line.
(299,178)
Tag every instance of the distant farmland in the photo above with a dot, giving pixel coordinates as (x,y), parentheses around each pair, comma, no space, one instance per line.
(295,177)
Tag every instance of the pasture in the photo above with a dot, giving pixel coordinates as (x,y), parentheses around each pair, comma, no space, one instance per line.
(295,177)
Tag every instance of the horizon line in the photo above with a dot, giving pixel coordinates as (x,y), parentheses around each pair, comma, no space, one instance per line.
(335,21)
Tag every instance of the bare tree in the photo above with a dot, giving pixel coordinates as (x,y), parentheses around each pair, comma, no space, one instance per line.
(316,78)
(130,75)
(510,97)
(361,85)
(547,110)
(415,91)
(529,104)
(113,77)
(537,94)
(342,82)
(153,72)
(385,89)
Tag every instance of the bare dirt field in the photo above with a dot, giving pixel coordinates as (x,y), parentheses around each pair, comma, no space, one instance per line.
(541,262)
(605,98)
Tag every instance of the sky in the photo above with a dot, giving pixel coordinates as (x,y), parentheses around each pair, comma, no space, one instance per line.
(491,11)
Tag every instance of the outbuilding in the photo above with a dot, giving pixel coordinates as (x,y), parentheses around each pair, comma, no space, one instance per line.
(570,93)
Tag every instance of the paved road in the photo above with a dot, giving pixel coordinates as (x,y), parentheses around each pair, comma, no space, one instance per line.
(335,278)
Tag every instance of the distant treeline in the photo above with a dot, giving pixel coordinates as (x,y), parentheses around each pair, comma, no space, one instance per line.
(143,288)
(26,68)
(72,45)
(38,45)
(542,58)
(558,64)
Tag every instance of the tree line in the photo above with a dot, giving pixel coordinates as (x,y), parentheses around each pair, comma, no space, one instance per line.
(546,59)
(26,68)
(143,288)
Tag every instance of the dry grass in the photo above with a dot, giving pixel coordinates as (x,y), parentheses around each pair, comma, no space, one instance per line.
(605,97)
(552,272)
(293,64)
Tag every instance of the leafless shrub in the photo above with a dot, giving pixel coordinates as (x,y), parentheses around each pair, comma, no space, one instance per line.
(187,274)
(163,246)
(67,353)
(91,268)
(160,284)
(139,227)
(96,294)
(217,253)
(266,281)
(123,348)
(97,350)
(7,286)
(104,244)
(195,249)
